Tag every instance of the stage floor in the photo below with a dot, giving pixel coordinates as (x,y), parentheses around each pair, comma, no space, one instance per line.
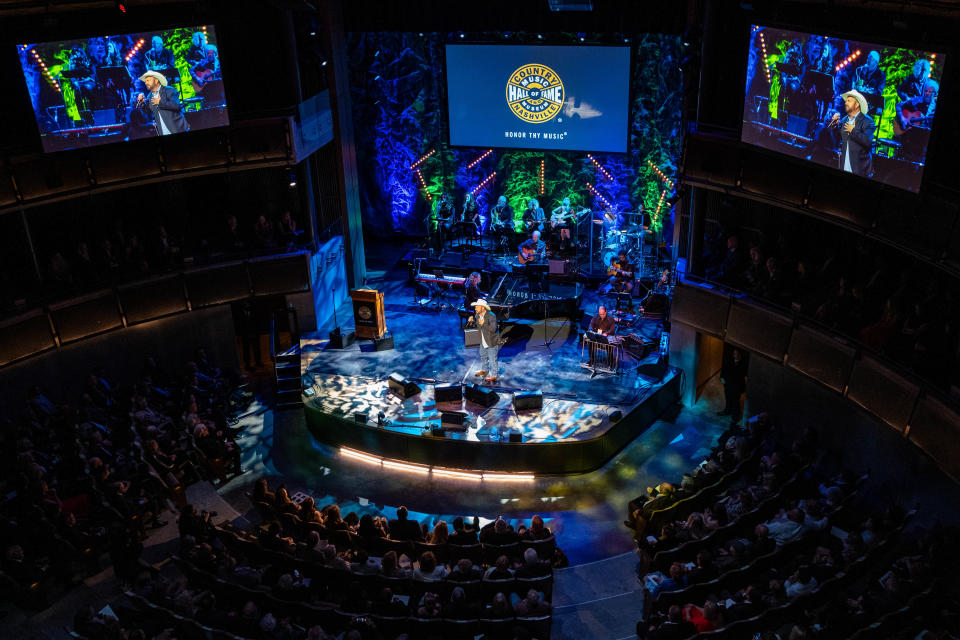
(559,420)
(541,355)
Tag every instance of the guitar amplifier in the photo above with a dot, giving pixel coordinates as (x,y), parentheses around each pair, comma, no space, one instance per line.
(471,337)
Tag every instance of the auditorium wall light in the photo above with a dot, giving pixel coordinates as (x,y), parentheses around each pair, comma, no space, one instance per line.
(479,159)
(423,158)
(766,63)
(603,171)
(439,472)
(404,466)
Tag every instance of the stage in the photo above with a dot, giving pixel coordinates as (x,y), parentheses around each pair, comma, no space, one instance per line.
(585,419)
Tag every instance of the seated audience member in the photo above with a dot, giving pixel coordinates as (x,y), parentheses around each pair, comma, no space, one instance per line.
(465,571)
(787,527)
(676,581)
(498,608)
(385,604)
(429,606)
(429,569)
(532,566)
(461,535)
(332,520)
(674,628)
(762,544)
(704,570)
(371,527)
(500,570)
(537,530)
(704,619)
(745,605)
(403,529)
(531,605)
(733,556)
(498,533)
(800,583)
(459,608)
(390,566)
(439,535)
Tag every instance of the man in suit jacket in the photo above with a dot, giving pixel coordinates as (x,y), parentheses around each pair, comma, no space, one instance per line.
(163,104)
(484,319)
(403,529)
(856,148)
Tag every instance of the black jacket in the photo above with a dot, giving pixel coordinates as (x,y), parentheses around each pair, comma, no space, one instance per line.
(168,109)
(859,142)
(489,330)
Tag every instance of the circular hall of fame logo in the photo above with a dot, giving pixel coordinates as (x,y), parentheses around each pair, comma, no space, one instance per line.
(535,93)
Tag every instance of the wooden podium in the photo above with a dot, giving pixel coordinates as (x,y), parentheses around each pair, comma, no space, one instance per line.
(368,315)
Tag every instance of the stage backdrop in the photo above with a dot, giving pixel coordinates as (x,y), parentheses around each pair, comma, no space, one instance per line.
(400,119)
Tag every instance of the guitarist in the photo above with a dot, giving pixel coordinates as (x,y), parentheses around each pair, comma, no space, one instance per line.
(621,274)
(533,216)
(919,107)
(501,221)
(532,250)
(560,221)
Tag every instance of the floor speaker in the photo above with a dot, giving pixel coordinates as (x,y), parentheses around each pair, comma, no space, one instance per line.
(383,344)
(515,436)
(655,370)
(401,386)
(340,340)
(471,337)
(481,395)
(452,392)
(528,400)
(453,420)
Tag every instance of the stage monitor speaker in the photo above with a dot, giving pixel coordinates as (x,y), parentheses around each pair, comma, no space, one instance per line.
(436,432)
(385,343)
(515,436)
(655,370)
(401,386)
(360,417)
(453,420)
(453,258)
(637,346)
(528,400)
(451,392)
(557,267)
(616,416)
(340,340)
(481,395)
(471,337)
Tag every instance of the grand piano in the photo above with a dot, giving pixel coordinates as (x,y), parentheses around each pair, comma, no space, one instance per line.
(512,298)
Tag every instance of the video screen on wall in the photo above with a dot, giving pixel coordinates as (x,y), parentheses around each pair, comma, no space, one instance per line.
(539,97)
(108,88)
(853,105)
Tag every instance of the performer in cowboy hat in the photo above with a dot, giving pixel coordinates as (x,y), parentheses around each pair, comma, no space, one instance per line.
(856,148)
(163,104)
(485,320)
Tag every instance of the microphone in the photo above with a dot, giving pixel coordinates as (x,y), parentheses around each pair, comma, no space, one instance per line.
(835,119)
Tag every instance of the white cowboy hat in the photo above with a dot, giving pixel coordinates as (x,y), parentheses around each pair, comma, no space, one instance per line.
(481,303)
(859,98)
(153,74)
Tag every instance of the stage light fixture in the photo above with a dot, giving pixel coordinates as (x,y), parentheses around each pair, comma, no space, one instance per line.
(420,34)
(292,177)
(462,35)
(626,39)
(122,7)
(539,36)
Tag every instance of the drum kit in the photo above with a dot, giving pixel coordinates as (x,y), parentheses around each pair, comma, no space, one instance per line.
(632,236)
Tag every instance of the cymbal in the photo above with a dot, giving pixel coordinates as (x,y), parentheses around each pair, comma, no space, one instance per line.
(598,222)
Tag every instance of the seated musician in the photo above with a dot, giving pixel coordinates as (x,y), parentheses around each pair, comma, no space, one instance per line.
(197,52)
(471,212)
(869,78)
(532,250)
(560,221)
(473,290)
(158,57)
(621,274)
(603,323)
(918,109)
(533,216)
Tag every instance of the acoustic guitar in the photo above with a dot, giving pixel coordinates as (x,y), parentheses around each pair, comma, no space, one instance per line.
(910,119)
(526,256)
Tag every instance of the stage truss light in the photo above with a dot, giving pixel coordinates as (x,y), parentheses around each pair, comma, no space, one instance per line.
(483,183)
(479,158)
(542,171)
(423,158)
(661,175)
(437,472)
(603,172)
(592,190)
(766,63)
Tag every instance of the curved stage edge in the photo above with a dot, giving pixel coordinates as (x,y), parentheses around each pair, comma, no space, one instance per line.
(540,458)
